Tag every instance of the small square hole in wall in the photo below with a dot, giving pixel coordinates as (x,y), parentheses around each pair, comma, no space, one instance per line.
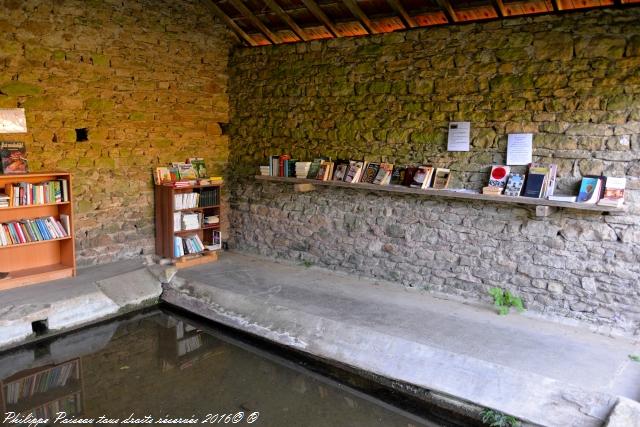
(40,327)
(82,135)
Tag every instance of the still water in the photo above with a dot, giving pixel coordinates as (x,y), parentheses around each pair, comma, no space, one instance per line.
(159,368)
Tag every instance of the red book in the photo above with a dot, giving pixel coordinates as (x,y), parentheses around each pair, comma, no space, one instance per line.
(281,168)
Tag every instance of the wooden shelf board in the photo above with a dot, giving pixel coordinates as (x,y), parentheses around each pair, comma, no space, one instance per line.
(195,230)
(20,245)
(192,260)
(197,209)
(188,187)
(445,193)
(29,276)
(33,206)
(15,177)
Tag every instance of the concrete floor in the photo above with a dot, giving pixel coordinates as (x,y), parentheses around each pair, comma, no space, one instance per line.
(542,372)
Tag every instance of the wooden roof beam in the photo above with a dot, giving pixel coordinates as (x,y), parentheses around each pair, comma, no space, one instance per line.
(352,5)
(448,10)
(239,5)
(230,23)
(321,16)
(400,10)
(287,19)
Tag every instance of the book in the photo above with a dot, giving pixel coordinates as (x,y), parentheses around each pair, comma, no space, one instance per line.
(198,166)
(534,185)
(613,192)
(397,176)
(162,175)
(409,173)
(589,189)
(370,172)
(281,164)
(422,177)
(441,178)
(498,176)
(13,159)
(383,177)
(274,165)
(186,172)
(560,198)
(514,185)
(355,171)
(493,191)
(313,168)
(341,171)
(325,171)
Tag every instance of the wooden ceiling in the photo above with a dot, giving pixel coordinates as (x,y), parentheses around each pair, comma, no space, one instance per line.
(264,22)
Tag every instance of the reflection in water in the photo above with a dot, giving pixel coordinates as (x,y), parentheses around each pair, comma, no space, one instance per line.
(155,367)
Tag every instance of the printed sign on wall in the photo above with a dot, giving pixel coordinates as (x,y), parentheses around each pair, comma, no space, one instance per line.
(12,120)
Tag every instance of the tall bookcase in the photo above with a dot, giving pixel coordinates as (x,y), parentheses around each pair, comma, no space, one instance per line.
(165,195)
(37,261)
(45,391)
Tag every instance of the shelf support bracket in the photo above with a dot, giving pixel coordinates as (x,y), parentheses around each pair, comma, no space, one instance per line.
(545,211)
(303,188)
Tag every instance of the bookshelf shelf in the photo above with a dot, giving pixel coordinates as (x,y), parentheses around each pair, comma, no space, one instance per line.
(34,262)
(165,202)
(543,206)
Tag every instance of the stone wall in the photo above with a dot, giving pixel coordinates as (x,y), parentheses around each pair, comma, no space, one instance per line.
(147,78)
(573,80)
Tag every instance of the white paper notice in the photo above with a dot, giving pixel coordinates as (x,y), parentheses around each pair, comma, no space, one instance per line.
(519,149)
(12,120)
(459,133)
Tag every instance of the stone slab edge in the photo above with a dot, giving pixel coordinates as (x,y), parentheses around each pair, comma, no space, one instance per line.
(626,413)
(532,398)
(116,295)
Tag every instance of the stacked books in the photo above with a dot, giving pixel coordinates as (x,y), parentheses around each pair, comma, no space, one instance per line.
(264,170)
(4,200)
(209,198)
(190,221)
(31,230)
(302,169)
(187,245)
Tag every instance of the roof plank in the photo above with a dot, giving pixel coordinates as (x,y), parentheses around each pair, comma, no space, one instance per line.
(400,10)
(321,16)
(239,5)
(230,23)
(287,19)
(448,10)
(352,5)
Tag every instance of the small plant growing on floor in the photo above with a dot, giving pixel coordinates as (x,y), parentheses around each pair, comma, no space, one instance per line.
(634,357)
(306,263)
(504,300)
(498,419)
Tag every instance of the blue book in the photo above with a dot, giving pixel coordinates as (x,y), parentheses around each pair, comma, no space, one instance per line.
(43,230)
(589,190)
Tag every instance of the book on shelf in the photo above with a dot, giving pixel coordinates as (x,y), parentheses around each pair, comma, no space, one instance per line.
(409,173)
(41,382)
(191,221)
(313,168)
(341,170)
(370,172)
(209,197)
(562,198)
(383,177)
(282,171)
(441,178)
(613,192)
(514,185)
(187,245)
(186,200)
(325,171)
(590,189)
(198,166)
(397,176)
(355,171)
(422,177)
(31,230)
(534,185)
(13,158)
(498,176)
(27,193)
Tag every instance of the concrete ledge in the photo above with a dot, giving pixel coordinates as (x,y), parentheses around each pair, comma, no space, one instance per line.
(626,413)
(97,293)
(530,397)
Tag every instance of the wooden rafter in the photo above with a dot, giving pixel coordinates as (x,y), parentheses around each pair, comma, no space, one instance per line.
(448,10)
(321,16)
(239,5)
(287,19)
(400,10)
(498,5)
(234,27)
(352,5)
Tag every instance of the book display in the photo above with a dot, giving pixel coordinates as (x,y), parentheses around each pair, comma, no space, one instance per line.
(45,391)
(188,221)
(36,217)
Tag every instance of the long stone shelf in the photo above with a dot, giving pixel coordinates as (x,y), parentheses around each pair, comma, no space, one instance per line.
(543,207)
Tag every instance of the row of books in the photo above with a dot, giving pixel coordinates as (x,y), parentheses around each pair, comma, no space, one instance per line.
(26,193)
(354,171)
(70,405)
(187,245)
(209,198)
(189,344)
(33,230)
(540,182)
(186,200)
(193,169)
(186,221)
(40,383)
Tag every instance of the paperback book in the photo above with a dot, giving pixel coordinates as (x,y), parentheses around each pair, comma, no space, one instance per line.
(613,192)
(370,172)
(441,178)
(13,157)
(514,185)
(422,177)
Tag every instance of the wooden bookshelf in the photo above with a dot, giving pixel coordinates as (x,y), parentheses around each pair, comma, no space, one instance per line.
(43,391)
(38,261)
(181,345)
(165,208)
(543,206)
